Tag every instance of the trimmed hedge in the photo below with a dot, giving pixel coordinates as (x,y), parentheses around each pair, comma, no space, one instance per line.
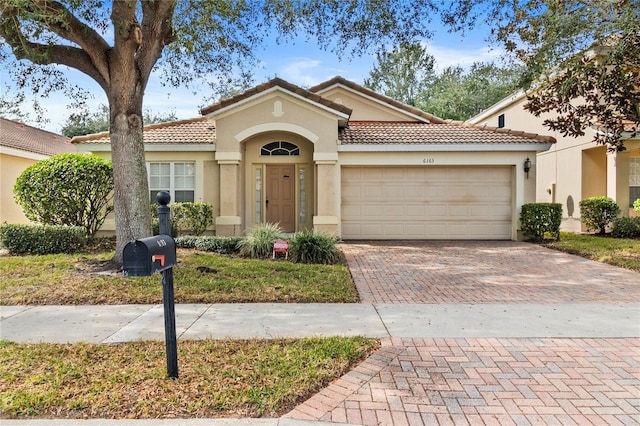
(222,245)
(42,239)
(194,218)
(541,219)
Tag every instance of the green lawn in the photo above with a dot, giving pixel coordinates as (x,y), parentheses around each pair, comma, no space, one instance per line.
(217,378)
(199,278)
(615,251)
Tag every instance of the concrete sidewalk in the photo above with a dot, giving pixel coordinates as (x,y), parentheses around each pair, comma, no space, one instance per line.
(121,323)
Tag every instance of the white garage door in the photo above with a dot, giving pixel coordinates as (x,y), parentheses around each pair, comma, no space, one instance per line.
(456,203)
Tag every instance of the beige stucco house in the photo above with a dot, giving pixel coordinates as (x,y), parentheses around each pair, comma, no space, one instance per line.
(21,146)
(341,159)
(573,168)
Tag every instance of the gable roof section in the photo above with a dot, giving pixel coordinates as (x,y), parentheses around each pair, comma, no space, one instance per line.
(276,82)
(447,133)
(192,131)
(341,81)
(31,139)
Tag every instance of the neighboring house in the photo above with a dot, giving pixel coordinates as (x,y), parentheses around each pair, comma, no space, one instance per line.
(341,159)
(574,168)
(20,147)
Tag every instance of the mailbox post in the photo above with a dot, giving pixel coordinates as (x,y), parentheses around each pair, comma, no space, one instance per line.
(147,256)
(164,217)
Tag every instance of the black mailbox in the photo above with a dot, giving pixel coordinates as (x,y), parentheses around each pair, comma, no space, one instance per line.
(147,256)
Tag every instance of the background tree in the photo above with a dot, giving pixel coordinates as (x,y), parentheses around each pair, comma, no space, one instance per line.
(458,94)
(119,43)
(67,189)
(582,59)
(85,123)
(401,73)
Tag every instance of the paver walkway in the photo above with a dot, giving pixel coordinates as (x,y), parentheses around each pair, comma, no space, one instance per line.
(483,272)
(486,381)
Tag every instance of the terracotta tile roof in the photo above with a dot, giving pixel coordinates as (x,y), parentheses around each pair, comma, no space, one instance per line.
(31,139)
(192,131)
(273,83)
(449,132)
(368,92)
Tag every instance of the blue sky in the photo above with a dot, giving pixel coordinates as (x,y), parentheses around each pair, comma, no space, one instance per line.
(299,62)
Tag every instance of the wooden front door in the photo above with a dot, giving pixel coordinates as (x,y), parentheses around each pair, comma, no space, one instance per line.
(280,196)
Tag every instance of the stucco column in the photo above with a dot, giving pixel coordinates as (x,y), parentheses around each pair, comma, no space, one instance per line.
(518,195)
(618,179)
(229,222)
(328,193)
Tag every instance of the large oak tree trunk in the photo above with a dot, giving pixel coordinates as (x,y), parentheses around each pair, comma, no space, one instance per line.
(126,91)
(131,206)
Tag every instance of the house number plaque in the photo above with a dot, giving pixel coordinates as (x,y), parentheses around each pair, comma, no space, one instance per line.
(429,160)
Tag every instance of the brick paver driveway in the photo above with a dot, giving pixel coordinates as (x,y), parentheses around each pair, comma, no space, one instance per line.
(483,272)
(486,381)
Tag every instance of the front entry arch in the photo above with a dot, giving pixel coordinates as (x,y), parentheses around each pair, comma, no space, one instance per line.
(279,181)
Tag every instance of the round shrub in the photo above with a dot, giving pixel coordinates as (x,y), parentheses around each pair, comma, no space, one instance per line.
(626,227)
(598,212)
(67,189)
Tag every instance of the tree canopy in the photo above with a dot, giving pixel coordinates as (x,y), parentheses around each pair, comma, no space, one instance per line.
(402,72)
(582,59)
(460,94)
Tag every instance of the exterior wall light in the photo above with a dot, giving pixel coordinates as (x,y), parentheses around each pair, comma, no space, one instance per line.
(527,166)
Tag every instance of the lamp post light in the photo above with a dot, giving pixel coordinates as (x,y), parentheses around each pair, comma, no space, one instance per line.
(527,166)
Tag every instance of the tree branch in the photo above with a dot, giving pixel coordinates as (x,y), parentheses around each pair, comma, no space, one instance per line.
(157,32)
(44,54)
(90,58)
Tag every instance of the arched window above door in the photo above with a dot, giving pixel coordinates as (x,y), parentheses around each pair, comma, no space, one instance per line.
(280,148)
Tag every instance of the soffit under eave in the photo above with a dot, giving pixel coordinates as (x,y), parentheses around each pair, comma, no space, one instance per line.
(263,96)
(536,147)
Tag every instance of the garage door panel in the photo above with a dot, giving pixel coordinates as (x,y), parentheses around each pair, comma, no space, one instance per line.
(426,203)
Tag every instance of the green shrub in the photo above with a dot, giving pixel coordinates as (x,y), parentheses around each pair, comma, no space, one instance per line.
(598,212)
(194,218)
(537,220)
(259,241)
(222,245)
(42,239)
(636,205)
(626,227)
(186,241)
(313,247)
(70,189)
